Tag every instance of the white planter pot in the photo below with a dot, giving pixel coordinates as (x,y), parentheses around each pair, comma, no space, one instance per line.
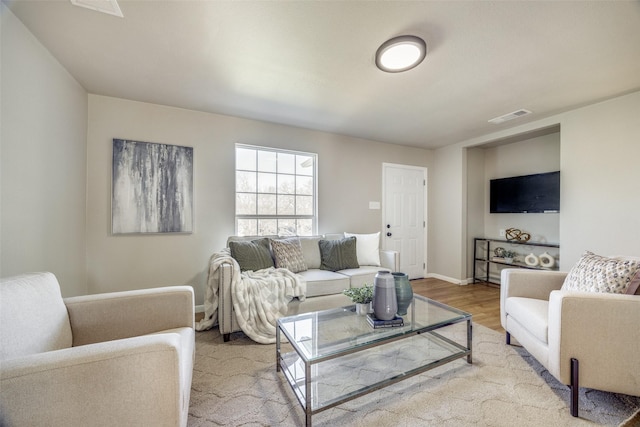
(363,308)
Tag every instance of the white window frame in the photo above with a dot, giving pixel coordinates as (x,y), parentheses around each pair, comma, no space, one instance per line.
(313,217)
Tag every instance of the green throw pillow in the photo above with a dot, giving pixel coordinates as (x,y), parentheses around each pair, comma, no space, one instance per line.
(338,254)
(253,255)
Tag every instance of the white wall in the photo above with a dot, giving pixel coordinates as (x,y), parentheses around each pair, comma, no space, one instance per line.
(349,169)
(44,127)
(600,181)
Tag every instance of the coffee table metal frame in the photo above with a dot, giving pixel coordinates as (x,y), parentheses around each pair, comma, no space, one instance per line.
(363,339)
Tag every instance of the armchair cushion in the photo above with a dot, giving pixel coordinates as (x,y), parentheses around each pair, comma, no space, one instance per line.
(595,273)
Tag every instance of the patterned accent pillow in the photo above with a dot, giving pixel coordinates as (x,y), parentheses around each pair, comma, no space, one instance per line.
(595,273)
(253,255)
(288,254)
(634,286)
(338,254)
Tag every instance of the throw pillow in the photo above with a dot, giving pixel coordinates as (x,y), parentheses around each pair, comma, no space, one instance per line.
(595,273)
(338,254)
(288,254)
(634,286)
(367,248)
(252,255)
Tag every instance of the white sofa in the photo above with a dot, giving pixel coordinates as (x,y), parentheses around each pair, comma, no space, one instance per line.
(324,288)
(117,359)
(584,339)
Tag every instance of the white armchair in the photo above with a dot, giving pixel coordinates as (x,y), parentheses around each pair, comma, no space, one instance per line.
(584,339)
(124,358)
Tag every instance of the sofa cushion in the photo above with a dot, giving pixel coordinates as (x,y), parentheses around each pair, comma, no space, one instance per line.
(253,255)
(367,248)
(534,313)
(323,282)
(288,254)
(338,254)
(311,251)
(364,275)
(33,317)
(595,273)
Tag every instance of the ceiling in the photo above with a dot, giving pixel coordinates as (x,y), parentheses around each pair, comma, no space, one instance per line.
(311,64)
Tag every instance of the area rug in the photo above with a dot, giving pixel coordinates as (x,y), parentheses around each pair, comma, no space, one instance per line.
(236,384)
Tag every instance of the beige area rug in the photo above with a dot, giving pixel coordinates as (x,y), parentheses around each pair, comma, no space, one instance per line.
(236,384)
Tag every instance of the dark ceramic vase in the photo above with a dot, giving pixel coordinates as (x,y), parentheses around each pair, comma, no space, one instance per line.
(404,292)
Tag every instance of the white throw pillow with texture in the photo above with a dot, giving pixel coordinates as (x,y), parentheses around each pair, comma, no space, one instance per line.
(367,248)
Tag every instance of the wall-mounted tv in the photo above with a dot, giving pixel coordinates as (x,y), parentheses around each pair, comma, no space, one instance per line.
(539,193)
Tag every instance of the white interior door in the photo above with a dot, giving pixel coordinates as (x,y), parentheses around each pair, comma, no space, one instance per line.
(404,222)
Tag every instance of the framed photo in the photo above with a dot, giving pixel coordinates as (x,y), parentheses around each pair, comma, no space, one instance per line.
(151,188)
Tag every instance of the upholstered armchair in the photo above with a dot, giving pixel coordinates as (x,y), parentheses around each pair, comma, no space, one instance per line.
(118,359)
(584,339)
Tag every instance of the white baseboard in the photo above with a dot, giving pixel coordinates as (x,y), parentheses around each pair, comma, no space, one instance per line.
(449,279)
(199,308)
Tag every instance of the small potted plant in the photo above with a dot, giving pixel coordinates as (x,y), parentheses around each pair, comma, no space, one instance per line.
(509,256)
(362,298)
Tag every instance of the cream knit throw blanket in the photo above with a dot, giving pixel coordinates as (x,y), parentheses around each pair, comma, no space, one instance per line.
(259,297)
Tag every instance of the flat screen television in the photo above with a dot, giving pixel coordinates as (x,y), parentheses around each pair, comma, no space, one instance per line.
(539,193)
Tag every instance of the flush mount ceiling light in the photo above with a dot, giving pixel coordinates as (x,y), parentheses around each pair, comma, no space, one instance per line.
(110,7)
(401,54)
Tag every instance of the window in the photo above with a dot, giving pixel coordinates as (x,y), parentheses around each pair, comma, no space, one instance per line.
(275,192)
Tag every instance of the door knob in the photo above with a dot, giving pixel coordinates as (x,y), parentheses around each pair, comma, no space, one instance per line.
(388,234)
(388,225)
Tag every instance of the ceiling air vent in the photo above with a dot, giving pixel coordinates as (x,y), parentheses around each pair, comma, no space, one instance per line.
(105,6)
(510,116)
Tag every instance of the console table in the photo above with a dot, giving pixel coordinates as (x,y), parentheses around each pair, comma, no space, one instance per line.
(483,256)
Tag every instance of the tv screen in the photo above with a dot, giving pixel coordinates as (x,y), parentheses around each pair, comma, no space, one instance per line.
(539,193)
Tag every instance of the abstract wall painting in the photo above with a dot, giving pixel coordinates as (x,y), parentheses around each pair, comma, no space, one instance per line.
(151,188)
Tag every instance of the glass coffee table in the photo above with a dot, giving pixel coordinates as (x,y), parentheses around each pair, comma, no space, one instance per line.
(337,356)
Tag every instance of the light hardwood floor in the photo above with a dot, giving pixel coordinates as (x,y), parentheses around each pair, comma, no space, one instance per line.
(480,299)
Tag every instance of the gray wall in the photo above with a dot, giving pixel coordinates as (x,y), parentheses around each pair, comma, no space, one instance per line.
(44,128)
(349,170)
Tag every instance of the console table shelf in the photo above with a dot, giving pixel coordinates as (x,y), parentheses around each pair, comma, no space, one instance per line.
(483,256)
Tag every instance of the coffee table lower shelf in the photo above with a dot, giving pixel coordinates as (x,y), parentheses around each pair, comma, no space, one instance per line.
(323,383)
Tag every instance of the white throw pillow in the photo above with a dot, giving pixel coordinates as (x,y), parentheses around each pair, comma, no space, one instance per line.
(367,248)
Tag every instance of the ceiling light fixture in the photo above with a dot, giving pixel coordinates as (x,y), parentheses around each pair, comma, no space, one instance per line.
(110,7)
(401,54)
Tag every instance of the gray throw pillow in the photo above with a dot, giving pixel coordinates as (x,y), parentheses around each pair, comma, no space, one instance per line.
(253,255)
(338,254)
(288,254)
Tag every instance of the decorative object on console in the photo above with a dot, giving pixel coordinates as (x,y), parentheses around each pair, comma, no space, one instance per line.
(499,252)
(509,256)
(531,260)
(385,303)
(404,292)
(519,235)
(151,188)
(546,260)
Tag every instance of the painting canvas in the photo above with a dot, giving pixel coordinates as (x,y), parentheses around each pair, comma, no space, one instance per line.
(152,188)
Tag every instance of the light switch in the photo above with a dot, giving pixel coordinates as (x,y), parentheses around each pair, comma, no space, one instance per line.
(374,205)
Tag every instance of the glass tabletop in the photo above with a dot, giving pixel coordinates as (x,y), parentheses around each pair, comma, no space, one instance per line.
(329,333)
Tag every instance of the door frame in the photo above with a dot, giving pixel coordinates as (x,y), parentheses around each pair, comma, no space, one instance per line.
(425,202)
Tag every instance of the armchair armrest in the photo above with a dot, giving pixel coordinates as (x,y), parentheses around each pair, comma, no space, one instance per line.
(118,315)
(119,381)
(390,260)
(601,331)
(518,282)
